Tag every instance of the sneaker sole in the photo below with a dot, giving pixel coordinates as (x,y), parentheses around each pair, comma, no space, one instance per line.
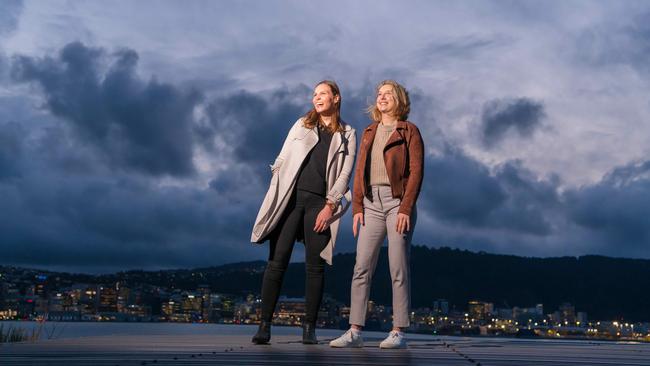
(351,346)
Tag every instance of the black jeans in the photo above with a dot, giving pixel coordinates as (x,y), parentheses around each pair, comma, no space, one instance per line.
(299,217)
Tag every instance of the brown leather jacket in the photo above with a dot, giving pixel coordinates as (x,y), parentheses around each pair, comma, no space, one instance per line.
(404,159)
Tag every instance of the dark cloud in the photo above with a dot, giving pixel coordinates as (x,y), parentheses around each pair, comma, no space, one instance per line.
(463,191)
(70,210)
(521,115)
(12,136)
(100,223)
(531,201)
(616,210)
(67,209)
(71,198)
(62,210)
(66,204)
(511,209)
(254,126)
(136,125)
(460,189)
(64,154)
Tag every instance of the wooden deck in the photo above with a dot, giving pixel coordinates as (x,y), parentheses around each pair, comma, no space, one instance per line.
(286,350)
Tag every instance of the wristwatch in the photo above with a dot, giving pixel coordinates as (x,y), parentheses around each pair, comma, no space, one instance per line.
(331,205)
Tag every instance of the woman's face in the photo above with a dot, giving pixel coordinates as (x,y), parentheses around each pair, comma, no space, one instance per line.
(324,100)
(386,100)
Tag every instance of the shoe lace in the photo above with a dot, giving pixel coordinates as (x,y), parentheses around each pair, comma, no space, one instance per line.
(350,335)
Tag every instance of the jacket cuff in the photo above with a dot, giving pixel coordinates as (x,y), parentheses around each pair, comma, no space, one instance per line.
(405,209)
(356,208)
(334,196)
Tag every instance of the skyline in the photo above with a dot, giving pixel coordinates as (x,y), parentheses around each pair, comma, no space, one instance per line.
(117,123)
(548,284)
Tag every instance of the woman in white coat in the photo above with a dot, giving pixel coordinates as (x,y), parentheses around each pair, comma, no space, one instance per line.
(310,178)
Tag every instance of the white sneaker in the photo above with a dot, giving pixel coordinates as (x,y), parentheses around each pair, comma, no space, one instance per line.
(395,339)
(349,339)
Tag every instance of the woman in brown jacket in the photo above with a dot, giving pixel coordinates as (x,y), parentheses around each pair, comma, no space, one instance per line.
(387,182)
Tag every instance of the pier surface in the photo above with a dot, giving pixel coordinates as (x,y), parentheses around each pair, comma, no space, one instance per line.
(285,349)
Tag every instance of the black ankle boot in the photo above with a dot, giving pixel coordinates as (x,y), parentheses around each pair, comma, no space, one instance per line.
(263,335)
(309,334)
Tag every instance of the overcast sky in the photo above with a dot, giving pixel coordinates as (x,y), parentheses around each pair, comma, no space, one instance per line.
(137,134)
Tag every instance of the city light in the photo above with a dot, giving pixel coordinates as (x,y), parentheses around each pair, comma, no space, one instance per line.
(22,297)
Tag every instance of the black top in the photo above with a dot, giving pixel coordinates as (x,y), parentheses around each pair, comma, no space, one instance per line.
(311,177)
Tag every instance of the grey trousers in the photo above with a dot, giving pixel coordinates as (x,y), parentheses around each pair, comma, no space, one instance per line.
(380,217)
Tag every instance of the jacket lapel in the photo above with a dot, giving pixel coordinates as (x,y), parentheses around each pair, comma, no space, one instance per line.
(335,147)
(371,131)
(397,135)
(311,138)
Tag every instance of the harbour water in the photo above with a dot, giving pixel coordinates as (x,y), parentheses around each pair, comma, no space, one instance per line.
(60,330)
(63,330)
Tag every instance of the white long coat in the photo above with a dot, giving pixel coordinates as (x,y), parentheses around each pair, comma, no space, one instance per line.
(340,160)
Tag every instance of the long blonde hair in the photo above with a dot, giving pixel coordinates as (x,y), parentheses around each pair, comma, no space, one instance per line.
(312,118)
(401,97)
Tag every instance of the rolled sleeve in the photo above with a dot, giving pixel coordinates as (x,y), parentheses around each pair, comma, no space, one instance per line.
(416,170)
(340,186)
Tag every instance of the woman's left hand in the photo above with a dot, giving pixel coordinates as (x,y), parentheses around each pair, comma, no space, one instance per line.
(323,219)
(403,223)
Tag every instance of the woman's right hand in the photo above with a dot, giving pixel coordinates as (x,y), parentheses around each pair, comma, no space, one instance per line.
(358,219)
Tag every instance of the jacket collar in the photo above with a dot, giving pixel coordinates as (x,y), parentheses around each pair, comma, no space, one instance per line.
(346,127)
(396,136)
(399,126)
(337,137)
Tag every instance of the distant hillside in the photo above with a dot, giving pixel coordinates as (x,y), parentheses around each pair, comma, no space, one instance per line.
(604,287)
